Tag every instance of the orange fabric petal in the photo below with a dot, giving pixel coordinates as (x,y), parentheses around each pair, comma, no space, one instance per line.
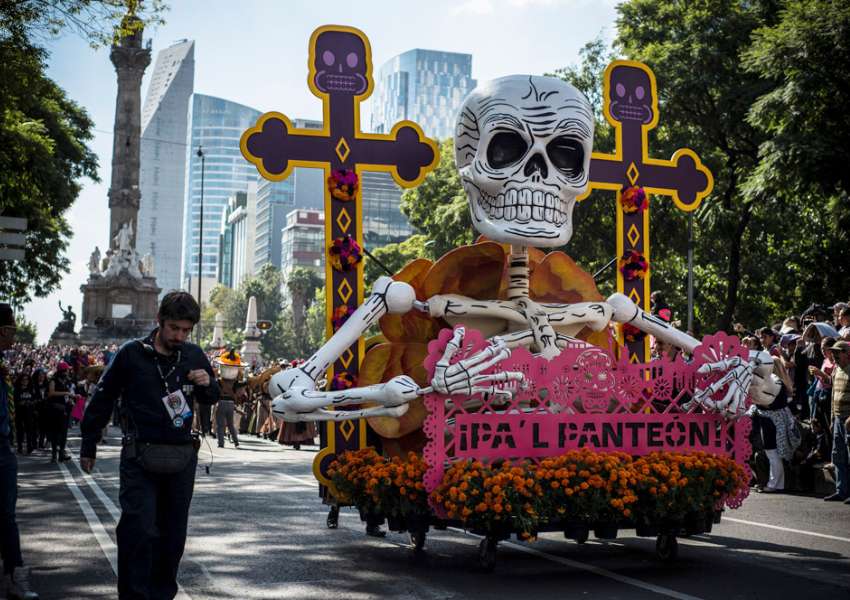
(474,271)
(386,361)
(559,279)
(413,326)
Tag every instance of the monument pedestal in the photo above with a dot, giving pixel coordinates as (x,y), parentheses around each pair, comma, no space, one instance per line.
(64,338)
(118,308)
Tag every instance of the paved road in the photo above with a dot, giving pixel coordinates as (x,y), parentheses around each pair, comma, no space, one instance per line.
(257,531)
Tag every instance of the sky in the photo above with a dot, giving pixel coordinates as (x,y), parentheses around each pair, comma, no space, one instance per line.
(254,52)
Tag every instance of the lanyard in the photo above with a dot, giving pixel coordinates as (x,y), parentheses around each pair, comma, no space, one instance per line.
(167,375)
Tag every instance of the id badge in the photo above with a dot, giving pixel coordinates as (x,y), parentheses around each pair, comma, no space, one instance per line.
(177,407)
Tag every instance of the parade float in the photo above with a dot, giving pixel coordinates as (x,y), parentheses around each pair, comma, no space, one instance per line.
(505,395)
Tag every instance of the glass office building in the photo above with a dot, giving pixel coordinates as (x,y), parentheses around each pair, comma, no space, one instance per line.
(425,86)
(162,162)
(304,188)
(215,124)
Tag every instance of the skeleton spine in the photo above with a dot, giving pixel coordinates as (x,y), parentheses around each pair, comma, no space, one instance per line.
(518,273)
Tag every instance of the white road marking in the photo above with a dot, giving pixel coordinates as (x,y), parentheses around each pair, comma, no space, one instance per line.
(106,544)
(103,539)
(591,569)
(788,529)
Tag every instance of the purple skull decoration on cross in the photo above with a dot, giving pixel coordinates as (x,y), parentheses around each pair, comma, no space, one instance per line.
(630,95)
(340,63)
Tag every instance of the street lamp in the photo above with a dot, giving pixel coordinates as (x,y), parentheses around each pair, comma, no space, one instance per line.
(200,154)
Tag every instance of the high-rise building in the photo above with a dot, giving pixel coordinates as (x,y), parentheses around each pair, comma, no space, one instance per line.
(163,161)
(236,240)
(304,188)
(424,86)
(303,242)
(215,125)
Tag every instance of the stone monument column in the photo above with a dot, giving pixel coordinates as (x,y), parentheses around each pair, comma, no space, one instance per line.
(130,60)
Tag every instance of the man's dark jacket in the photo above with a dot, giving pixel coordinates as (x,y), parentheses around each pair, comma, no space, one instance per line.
(133,376)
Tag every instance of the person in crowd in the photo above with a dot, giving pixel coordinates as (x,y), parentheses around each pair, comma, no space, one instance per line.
(819,407)
(24,413)
(844,322)
(15,577)
(776,425)
(157,378)
(229,366)
(60,401)
(40,386)
(769,340)
(836,313)
(841,421)
(790,325)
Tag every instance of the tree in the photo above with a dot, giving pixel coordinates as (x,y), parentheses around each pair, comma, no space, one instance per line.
(393,257)
(438,207)
(803,115)
(705,96)
(100,22)
(27,330)
(302,285)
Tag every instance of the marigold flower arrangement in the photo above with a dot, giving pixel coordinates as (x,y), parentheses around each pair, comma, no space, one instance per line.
(345,253)
(633,265)
(579,487)
(390,486)
(634,199)
(343,184)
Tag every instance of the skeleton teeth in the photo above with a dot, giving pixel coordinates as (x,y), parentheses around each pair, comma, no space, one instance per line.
(525,206)
(537,198)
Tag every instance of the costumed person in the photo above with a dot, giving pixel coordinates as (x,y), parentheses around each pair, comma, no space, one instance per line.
(229,366)
(157,379)
(295,434)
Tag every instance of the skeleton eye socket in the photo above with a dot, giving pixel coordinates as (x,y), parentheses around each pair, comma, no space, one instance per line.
(506,148)
(567,154)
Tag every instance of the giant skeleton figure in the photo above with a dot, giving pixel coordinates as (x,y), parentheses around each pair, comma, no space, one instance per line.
(523,146)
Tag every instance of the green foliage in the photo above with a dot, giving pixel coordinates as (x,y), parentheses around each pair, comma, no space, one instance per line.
(99,22)
(438,207)
(43,154)
(27,330)
(394,257)
(759,93)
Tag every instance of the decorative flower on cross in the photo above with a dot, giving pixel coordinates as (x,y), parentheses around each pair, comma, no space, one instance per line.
(343,184)
(634,199)
(633,265)
(345,253)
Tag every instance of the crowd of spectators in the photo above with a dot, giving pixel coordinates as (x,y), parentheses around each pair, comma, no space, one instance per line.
(50,385)
(811,355)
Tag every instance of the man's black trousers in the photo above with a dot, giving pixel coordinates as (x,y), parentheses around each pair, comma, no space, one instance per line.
(152,530)
(10,540)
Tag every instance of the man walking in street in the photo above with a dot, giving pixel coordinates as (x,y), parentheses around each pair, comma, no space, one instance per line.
(157,378)
(841,421)
(15,578)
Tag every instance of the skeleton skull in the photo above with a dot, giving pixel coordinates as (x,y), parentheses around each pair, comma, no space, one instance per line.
(522,145)
(340,63)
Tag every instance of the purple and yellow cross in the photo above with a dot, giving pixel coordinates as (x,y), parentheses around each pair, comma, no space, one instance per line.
(631,107)
(340,74)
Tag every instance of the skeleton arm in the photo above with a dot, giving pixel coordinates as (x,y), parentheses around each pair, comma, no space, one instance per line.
(299,400)
(626,311)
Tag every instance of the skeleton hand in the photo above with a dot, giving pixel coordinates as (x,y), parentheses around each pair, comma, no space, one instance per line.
(464,377)
(738,377)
